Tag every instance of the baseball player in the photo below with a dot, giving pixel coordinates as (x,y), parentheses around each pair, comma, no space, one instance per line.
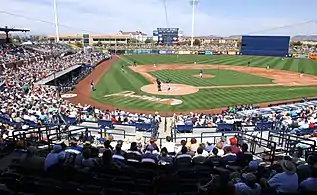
(301,74)
(168,84)
(195,62)
(201,73)
(92,85)
(154,65)
(267,66)
(122,68)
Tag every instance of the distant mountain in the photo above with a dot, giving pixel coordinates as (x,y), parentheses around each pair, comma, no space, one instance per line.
(304,38)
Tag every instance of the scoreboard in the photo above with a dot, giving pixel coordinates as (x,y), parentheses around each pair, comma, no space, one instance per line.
(166,36)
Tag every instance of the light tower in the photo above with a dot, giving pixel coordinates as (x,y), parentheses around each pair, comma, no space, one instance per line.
(56,21)
(193,3)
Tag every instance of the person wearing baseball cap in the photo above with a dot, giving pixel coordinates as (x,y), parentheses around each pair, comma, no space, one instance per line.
(287,181)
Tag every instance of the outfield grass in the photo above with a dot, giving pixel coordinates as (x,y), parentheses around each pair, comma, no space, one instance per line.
(115,81)
(221,77)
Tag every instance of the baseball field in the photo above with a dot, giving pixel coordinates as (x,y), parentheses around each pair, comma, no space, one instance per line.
(227,81)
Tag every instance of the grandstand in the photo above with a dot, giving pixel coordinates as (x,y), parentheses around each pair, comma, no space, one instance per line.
(61,135)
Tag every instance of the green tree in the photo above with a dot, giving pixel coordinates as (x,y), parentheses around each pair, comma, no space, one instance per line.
(296,43)
(79,44)
(197,42)
(149,40)
(16,39)
(99,44)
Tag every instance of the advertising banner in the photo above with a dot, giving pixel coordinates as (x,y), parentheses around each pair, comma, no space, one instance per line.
(169,52)
(313,57)
(135,51)
(303,56)
(208,53)
(201,52)
(231,53)
(181,52)
(187,52)
(155,51)
(162,52)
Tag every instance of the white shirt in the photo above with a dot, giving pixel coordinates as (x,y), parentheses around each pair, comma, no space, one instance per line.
(170,146)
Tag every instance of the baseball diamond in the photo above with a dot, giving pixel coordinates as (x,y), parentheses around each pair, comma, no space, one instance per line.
(230,82)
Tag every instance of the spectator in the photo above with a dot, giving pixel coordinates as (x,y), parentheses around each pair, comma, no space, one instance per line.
(244,157)
(214,159)
(287,181)
(310,184)
(133,154)
(55,157)
(32,160)
(88,160)
(209,147)
(184,158)
(228,157)
(148,156)
(118,154)
(199,158)
(165,158)
(169,145)
(304,170)
(233,145)
(193,145)
(249,186)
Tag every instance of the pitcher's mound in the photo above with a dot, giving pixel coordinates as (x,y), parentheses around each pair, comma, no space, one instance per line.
(176,89)
(205,76)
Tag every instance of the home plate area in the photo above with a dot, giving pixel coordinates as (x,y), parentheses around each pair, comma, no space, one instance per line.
(175,89)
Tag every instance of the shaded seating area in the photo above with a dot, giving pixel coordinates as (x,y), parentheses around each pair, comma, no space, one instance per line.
(264,125)
(188,128)
(225,127)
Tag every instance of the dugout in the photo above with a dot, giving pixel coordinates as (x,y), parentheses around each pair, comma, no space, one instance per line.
(265,46)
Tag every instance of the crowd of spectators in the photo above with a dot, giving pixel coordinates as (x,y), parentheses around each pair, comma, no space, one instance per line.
(228,116)
(225,167)
(13,53)
(206,47)
(48,48)
(22,100)
(303,49)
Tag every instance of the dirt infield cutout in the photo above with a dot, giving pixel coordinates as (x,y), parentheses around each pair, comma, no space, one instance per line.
(175,89)
(205,76)
(279,77)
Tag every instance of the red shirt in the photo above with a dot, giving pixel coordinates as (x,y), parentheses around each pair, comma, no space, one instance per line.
(235,149)
(311,125)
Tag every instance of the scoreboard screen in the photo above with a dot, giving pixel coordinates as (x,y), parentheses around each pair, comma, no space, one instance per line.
(167,36)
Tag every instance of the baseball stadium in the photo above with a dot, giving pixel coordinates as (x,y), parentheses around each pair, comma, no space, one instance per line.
(165,114)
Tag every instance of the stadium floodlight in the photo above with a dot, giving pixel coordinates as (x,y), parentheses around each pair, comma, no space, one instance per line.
(193,3)
(56,21)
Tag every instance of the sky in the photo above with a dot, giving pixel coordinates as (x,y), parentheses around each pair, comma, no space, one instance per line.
(221,18)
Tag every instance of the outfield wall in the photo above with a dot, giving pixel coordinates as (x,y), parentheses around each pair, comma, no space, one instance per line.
(171,52)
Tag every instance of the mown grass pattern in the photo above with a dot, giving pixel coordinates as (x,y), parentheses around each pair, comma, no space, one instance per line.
(115,81)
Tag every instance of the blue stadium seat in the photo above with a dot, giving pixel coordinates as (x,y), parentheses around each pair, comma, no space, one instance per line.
(185,128)
(70,120)
(264,125)
(224,127)
(143,126)
(105,124)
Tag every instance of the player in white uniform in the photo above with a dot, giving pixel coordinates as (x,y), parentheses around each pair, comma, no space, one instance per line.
(201,73)
(268,66)
(154,65)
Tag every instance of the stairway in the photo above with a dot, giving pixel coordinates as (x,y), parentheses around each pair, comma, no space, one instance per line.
(162,132)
